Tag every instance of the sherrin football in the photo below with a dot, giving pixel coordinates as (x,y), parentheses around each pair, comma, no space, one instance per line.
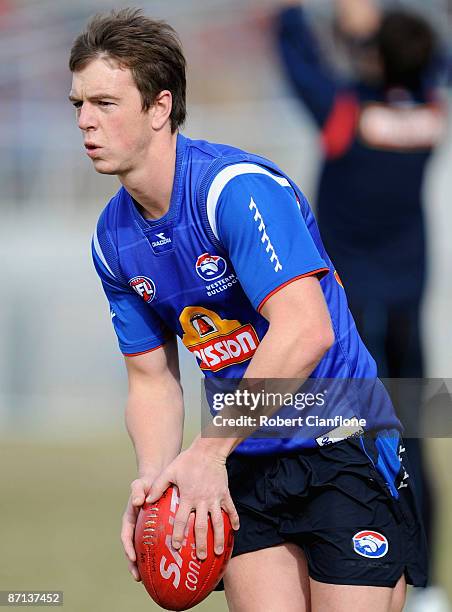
(177,579)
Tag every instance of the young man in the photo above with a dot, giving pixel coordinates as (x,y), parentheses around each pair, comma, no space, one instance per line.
(323,526)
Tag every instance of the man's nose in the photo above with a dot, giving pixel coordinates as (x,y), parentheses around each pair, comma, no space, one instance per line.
(86,117)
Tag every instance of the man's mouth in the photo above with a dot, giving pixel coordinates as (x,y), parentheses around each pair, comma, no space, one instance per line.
(91,148)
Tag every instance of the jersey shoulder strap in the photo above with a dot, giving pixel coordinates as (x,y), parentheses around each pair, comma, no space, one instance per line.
(224,169)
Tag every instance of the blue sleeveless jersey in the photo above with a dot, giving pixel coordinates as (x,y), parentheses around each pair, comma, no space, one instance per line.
(237,230)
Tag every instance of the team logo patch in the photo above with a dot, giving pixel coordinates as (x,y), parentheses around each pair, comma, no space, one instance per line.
(144,286)
(210,267)
(217,343)
(370,544)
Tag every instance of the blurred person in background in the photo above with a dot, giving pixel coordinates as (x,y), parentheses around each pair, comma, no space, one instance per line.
(378,132)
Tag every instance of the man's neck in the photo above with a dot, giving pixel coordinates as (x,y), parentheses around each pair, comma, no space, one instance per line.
(151,184)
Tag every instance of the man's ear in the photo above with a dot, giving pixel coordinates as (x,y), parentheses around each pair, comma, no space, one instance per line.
(161,109)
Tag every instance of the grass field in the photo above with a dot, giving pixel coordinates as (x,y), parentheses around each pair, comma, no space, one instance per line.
(60,510)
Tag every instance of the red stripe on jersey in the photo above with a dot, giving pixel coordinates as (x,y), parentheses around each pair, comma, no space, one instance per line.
(143,352)
(321,272)
(340,127)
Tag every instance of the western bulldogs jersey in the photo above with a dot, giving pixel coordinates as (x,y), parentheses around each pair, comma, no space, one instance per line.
(237,230)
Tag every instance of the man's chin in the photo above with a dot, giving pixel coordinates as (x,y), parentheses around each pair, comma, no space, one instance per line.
(103,167)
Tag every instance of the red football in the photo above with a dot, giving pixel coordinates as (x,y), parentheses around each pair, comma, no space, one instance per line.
(176,579)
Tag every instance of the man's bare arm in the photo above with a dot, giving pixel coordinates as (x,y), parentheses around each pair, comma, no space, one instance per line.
(154,419)
(154,412)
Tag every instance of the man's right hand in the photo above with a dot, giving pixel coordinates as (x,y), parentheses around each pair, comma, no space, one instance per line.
(139,490)
(358,18)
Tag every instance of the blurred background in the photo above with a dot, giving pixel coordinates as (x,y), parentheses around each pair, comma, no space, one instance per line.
(65,459)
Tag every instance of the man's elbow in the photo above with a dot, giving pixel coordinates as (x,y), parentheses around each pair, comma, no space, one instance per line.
(327,338)
(321,341)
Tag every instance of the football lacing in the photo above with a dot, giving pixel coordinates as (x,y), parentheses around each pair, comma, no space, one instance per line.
(149,538)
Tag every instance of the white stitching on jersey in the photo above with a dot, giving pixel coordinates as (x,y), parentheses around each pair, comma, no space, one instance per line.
(264,236)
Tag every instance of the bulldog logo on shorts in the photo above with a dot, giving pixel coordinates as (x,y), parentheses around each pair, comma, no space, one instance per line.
(370,544)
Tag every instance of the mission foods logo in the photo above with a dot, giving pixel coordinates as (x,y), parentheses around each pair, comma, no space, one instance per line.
(144,286)
(216,342)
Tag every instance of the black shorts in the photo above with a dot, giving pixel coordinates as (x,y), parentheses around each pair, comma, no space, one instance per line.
(334,504)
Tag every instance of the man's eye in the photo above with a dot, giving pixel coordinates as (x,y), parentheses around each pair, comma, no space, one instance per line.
(104,103)
(77,104)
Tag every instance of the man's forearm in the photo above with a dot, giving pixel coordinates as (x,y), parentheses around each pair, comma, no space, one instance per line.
(154,420)
(288,361)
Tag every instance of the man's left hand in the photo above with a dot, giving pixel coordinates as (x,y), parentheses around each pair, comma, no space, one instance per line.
(201,477)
